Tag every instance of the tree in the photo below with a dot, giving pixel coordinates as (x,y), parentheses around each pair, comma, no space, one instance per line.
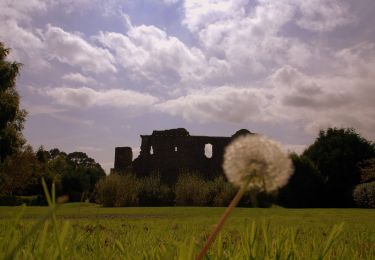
(305,186)
(84,173)
(19,173)
(11,116)
(337,154)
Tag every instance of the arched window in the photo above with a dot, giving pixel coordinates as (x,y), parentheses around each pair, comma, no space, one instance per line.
(208,150)
(151,151)
(175,149)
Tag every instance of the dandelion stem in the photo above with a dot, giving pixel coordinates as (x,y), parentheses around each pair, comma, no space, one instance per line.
(223,218)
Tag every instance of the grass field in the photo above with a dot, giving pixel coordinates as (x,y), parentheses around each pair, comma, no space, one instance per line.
(85,231)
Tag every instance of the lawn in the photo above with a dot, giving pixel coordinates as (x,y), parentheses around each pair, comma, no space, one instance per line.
(82,230)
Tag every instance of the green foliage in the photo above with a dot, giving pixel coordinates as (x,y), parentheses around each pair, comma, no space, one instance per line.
(305,186)
(367,170)
(76,172)
(19,173)
(364,195)
(11,200)
(11,116)
(154,193)
(337,153)
(191,190)
(221,192)
(118,190)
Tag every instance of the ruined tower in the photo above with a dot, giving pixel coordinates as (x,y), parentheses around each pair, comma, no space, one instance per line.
(123,158)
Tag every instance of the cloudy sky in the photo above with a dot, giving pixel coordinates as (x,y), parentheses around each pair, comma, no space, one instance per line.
(97,74)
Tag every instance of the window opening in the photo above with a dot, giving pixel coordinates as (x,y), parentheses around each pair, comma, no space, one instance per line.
(208,150)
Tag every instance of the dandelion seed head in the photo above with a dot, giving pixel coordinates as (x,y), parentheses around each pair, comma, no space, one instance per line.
(258,158)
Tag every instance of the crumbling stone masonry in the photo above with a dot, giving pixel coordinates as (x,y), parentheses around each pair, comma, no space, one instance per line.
(171,152)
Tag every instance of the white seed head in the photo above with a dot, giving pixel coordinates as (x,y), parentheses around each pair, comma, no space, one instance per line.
(258,158)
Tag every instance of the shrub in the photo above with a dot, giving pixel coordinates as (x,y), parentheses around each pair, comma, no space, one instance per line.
(9,200)
(221,192)
(191,190)
(364,195)
(118,191)
(367,170)
(154,193)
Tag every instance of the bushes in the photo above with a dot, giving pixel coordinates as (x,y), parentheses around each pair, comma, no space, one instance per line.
(118,191)
(191,189)
(222,192)
(9,200)
(364,195)
(153,193)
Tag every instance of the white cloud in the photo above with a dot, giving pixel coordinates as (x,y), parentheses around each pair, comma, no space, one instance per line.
(265,60)
(247,38)
(322,15)
(27,46)
(88,97)
(17,33)
(358,60)
(342,99)
(21,10)
(75,5)
(226,104)
(72,49)
(79,78)
(199,14)
(296,89)
(148,52)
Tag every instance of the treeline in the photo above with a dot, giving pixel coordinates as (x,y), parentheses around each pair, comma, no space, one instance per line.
(74,174)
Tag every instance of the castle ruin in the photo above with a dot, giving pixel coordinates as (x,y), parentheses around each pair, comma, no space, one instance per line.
(170,152)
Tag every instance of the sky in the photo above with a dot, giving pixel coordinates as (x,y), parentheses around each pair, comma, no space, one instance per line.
(98,74)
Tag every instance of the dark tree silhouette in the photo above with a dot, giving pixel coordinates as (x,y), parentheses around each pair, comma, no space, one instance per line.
(305,186)
(11,116)
(337,153)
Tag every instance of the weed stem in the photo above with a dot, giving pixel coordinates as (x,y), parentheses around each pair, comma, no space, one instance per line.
(223,218)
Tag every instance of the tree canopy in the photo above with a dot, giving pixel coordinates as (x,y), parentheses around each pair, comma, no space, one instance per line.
(11,116)
(337,154)
(305,186)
